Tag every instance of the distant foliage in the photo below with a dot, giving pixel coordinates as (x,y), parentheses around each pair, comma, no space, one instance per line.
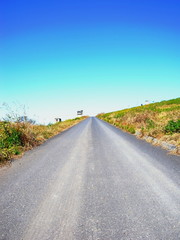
(25,119)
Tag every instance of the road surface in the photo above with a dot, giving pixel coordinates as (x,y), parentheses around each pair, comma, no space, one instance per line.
(91,182)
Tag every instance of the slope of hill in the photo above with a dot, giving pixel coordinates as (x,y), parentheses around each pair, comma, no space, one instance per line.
(158,123)
(17,137)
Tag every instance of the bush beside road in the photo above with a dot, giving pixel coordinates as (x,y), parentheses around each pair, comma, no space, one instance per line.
(17,137)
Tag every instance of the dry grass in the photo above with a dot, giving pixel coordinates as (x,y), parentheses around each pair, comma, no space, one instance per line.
(148,120)
(15,138)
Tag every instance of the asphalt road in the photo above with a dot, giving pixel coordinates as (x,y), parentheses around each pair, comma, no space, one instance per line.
(92,182)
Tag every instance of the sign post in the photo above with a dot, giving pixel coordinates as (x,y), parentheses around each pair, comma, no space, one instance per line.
(80,112)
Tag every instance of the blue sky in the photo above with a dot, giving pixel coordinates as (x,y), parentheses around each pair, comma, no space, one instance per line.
(57,57)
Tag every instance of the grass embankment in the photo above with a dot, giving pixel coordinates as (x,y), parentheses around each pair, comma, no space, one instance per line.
(15,138)
(157,120)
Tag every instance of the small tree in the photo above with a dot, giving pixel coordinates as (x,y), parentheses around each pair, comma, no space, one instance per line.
(17,115)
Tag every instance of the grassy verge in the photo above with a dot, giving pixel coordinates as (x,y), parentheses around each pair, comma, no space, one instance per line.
(157,120)
(15,138)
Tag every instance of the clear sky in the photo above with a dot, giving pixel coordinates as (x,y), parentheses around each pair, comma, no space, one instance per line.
(57,57)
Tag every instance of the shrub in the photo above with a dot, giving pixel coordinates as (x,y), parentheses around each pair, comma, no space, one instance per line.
(150,124)
(173,127)
(131,130)
(10,136)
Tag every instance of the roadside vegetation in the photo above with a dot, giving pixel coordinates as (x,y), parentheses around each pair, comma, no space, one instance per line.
(17,137)
(159,120)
